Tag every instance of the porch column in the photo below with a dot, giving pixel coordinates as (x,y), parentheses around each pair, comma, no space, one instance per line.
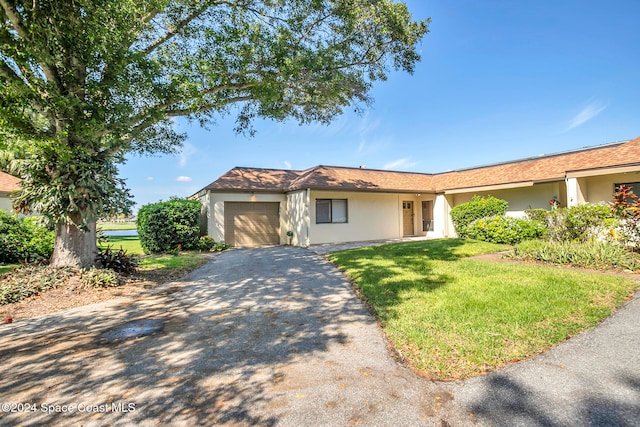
(442,226)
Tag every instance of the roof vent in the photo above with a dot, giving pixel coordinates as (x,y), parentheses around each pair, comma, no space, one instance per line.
(362,167)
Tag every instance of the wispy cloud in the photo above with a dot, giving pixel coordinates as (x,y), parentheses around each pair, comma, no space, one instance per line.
(183,178)
(150,178)
(188,150)
(287,164)
(404,163)
(587,113)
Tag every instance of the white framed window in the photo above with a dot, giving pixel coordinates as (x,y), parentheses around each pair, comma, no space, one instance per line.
(331,211)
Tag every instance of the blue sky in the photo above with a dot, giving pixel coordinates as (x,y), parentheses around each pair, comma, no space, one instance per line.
(498,80)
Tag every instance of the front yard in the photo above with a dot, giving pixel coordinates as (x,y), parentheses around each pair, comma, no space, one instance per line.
(452,317)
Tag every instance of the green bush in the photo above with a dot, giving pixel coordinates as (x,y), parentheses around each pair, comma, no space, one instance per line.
(206,243)
(24,239)
(116,260)
(30,280)
(169,226)
(99,278)
(581,222)
(477,208)
(504,229)
(591,254)
(537,214)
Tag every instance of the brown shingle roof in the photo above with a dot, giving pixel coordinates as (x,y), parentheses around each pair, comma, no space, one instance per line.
(343,178)
(545,168)
(8,183)
(254,179)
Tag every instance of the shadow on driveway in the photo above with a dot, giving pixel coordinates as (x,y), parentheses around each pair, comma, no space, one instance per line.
(264,336)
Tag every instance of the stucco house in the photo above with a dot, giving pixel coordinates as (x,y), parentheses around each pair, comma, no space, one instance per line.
(327,204)
(8,184)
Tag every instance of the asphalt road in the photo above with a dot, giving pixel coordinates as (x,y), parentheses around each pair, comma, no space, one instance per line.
(275,336)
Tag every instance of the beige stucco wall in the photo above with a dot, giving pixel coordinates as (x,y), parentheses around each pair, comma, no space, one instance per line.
(215,212)
(372,216)
(599,189)
(523,198)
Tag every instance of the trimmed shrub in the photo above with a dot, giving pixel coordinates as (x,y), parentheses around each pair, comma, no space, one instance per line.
(167,226)
(24,239)
(584,254)
(504,229)
(478,207)
(581,223)
(537,214)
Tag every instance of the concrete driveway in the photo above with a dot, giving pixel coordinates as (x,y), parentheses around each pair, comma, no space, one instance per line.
(275,336)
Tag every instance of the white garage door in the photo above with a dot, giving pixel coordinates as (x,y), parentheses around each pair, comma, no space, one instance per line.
(251,224)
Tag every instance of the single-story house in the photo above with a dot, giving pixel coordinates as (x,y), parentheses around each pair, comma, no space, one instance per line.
(328,204)
(8,184)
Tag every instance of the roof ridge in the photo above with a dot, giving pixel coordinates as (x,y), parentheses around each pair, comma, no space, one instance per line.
(539,157)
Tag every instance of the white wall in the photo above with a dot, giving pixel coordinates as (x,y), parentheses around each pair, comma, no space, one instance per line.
(5,202)
(216,211)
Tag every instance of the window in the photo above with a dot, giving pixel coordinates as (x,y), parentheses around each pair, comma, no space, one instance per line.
(331,211)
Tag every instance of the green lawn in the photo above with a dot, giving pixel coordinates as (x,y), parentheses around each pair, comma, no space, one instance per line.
(131,244)
(8,267)
(453,317)
(116,226)
(185,260)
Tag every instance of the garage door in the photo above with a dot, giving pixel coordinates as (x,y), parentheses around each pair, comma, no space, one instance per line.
(251,224)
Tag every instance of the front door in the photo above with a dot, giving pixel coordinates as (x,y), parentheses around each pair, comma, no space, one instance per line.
(407,219)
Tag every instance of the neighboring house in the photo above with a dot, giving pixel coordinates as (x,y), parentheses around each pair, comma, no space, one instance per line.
(8,184)
(327,204)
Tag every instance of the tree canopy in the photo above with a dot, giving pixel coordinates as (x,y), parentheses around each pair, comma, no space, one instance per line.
(86,81)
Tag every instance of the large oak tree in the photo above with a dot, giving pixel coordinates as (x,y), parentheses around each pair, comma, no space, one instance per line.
(85,82)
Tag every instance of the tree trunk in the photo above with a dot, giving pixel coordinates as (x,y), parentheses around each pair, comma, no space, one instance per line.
(74,247)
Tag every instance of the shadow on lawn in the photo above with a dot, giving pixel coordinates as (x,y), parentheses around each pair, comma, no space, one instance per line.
(219,359)
(387,273)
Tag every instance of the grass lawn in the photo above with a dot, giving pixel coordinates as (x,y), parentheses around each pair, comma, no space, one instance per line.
(131,244)
(185,260)
(116,226)
(452,317)
(8,267)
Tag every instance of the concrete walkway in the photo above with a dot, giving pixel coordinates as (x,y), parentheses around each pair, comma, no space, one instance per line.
(275,336)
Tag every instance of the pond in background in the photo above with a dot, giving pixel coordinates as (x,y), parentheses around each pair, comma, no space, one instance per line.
(115,233)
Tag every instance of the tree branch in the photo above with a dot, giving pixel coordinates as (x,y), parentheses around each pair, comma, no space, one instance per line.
(207,107)
(175,28)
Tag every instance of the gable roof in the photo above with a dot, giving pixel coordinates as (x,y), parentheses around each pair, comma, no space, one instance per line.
(254,179)
(553,167)
(8,183)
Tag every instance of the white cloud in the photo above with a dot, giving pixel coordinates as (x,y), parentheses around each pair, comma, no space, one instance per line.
(188,150)
(150,178)
(183,178)
(287,164)
(400,164)
(587,113)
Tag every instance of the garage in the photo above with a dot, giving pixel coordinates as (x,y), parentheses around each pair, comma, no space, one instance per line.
(252,223)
